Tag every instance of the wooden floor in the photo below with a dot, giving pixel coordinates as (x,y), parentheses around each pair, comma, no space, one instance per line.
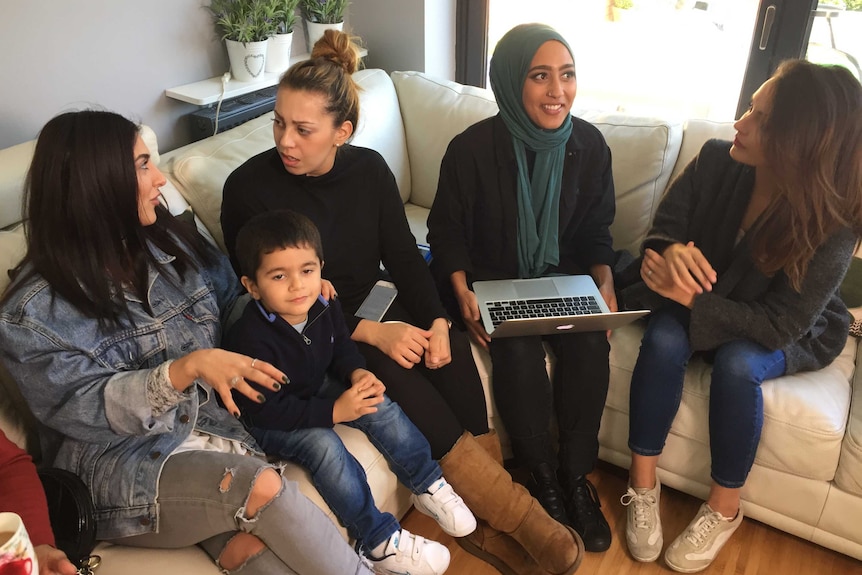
(755,549)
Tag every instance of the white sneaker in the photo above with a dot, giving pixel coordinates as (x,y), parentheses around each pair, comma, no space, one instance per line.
(643,524)
(697,546)
(408,554)
(442,504)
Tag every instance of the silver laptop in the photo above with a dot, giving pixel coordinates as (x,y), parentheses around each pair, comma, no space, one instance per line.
(543,306)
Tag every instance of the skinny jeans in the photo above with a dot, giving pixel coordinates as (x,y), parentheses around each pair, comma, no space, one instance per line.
(735,396)
(442,402)
(341,480)
(526,398)
(195,508)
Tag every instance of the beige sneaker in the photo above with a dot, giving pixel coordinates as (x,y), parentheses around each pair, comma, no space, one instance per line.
(697,546)
(643,524)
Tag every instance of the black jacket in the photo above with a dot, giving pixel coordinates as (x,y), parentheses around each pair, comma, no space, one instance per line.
(323,346)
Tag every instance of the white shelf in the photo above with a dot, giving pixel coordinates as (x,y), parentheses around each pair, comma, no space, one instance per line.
(208,91)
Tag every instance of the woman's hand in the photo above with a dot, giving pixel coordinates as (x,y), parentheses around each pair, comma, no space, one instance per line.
(469,307)
(404,343)
(439,353)
(365,392)
(657,276)
(327,290)
(604,278)
(689,268)
(223,371)
(53,561)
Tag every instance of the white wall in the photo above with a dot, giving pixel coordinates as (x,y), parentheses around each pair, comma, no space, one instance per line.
(58,55)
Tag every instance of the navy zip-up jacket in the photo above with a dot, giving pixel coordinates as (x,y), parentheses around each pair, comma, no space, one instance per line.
(323,346)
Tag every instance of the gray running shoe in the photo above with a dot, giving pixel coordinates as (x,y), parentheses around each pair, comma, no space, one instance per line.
(643,525)
(697,546)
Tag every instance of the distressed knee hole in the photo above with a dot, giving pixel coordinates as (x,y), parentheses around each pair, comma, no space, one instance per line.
(226,480)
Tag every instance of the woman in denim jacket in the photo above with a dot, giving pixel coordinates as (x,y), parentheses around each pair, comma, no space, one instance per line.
(110,327)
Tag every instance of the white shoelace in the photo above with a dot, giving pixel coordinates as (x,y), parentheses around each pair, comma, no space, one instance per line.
(701,529)
(642,503)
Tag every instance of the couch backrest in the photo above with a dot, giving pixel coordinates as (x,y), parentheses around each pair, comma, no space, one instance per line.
(644,150)
(200,169)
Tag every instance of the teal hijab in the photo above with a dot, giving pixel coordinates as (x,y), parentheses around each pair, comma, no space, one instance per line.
(539,196)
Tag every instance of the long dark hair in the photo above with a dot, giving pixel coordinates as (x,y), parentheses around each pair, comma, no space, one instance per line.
(84,236)
(813,144)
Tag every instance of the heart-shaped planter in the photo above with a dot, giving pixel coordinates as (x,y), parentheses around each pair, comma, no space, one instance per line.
(247,61)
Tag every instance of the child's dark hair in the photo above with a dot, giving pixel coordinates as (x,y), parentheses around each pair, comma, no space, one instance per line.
(271,231)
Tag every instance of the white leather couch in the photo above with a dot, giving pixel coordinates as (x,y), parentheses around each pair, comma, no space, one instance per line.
(807,477)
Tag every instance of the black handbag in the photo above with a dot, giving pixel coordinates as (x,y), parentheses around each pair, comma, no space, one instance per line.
(73,517)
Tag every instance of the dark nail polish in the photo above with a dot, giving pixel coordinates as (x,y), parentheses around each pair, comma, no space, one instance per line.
(285,380)
(261,398)
(236,414)
(276,386)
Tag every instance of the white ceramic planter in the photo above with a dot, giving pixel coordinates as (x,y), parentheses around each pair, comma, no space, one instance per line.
(247,61)
(278,53)
(314,31)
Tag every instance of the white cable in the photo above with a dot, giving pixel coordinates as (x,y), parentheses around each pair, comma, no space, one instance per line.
(225,78)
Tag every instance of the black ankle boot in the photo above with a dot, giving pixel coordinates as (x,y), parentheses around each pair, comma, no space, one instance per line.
(585,514)
(547,491)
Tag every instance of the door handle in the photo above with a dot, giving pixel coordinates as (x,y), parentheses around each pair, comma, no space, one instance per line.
(768,20)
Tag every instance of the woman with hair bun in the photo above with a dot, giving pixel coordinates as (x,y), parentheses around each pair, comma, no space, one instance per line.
(351,195)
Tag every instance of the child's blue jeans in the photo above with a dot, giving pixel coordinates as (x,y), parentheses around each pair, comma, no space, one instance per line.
(341,480)
(735,397)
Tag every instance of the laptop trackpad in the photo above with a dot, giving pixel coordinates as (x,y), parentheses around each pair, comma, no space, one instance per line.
(536,288)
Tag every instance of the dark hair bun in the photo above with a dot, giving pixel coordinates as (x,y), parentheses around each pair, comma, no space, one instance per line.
(338,48)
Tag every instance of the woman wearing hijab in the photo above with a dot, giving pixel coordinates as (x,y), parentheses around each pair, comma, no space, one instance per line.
(529,193)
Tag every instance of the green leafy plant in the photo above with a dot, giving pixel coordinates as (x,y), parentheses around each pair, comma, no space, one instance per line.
(323,11)
(243,20)
(283,13)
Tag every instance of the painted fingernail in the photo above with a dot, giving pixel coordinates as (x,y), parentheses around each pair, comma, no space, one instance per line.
(276,386)
(236,414)
(285,380)
(261,398)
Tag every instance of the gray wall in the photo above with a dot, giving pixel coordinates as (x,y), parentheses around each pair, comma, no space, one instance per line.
(120,55)
(407,34)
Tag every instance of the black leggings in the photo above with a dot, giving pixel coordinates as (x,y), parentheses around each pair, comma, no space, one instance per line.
(525,397)
(443,402)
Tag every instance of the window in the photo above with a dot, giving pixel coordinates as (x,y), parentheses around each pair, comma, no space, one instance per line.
(670,58)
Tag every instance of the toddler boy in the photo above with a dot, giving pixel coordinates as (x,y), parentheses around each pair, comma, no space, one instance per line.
(290,325)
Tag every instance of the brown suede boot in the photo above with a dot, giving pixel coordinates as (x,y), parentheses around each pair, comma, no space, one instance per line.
(490,493)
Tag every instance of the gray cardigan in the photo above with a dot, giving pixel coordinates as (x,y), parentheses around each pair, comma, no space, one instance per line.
(706,205)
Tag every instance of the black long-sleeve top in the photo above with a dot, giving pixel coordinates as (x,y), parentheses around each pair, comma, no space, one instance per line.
(357,208)
(474,219)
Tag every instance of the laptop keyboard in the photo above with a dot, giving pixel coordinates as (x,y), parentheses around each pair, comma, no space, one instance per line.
(551,307)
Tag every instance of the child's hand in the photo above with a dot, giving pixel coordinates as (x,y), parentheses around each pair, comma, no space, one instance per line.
(360,399)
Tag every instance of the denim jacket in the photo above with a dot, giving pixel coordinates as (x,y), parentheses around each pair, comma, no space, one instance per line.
(87,385)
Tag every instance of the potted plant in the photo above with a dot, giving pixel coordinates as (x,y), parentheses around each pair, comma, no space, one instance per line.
(320,15)
(283,14)
(245,28)
(619,7)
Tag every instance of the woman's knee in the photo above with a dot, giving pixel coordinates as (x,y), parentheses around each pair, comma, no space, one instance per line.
(239,549)
(742,362)
(266,486)
(666,337)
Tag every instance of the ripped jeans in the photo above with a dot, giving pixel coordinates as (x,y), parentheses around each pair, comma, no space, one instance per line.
(196,508)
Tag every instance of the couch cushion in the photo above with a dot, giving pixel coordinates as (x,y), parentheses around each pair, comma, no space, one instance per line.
(14,163)
(695,133)
(200,169)
(644,151)
(435,111)
(805,415)
(849,474)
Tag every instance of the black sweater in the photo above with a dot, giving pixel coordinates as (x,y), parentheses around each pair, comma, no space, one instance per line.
(357,208)
(324,346)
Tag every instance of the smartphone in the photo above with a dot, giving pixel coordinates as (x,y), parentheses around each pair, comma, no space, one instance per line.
(377,302)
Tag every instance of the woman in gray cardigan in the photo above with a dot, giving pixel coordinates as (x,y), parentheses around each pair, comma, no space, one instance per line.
(748,251)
